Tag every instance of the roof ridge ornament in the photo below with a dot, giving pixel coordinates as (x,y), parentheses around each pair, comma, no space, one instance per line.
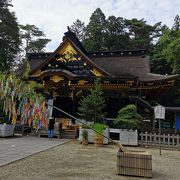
(69,28)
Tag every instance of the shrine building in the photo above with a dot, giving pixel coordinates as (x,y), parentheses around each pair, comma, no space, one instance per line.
(70,69)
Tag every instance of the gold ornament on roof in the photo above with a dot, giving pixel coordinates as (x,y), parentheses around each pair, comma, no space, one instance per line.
(96,72)
(68,54)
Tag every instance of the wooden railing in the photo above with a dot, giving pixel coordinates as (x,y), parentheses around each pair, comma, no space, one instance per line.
(152,139)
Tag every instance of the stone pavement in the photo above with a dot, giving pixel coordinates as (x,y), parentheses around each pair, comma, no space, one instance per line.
(12,149)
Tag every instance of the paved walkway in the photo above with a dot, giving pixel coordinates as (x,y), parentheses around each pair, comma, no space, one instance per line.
(12,149)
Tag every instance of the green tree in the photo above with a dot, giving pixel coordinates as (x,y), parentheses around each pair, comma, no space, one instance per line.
(92,105)
(9,36)
(176,25)
(167,51)
(78,28)
(172,50)
(142,34)
(128,118)
(116,36)
(95,31)
(165,58)
(34,40)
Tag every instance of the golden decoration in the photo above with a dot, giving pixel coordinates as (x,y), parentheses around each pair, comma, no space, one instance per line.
(57,78)
(96,72)
(81,82)
(68,54)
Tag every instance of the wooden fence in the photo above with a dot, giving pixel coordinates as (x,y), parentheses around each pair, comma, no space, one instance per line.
(152,139)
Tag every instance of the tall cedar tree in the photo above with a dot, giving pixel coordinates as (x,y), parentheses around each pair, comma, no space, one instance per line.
(9,36)
(118,33)
(142,34)
(92,105)
(95,31)
(78,28)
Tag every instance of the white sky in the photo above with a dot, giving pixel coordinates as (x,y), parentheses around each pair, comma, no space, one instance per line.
(53,16)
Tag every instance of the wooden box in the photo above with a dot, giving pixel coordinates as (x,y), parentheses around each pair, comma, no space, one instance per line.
(134,163)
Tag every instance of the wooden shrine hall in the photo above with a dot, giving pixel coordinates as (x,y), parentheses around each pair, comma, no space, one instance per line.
(70,69)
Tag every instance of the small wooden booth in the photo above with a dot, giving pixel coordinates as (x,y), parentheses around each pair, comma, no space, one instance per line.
(134,163)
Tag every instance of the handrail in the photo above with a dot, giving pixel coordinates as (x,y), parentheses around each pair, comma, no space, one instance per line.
(145,103)
(121,148)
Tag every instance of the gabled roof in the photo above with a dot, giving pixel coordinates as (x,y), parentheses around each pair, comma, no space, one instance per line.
(70,38)
(117,64)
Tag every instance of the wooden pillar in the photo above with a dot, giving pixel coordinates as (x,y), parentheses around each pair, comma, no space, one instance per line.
(152,119)
(175,130)
(74,104)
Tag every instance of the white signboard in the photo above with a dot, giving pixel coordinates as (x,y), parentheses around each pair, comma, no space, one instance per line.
(159,112)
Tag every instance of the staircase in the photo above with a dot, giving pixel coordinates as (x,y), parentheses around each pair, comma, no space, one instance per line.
(142,102)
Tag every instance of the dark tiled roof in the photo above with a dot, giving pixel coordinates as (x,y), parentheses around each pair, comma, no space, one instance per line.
(34,63)
(115,64)
(156,77)
(118,66)
(123,65)
(36,59)
(132,52)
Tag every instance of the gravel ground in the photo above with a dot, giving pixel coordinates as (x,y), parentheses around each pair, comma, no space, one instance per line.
(73,161)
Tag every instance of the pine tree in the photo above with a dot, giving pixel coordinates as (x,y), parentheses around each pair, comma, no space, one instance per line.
(34,40)
(9,36)
(92,105)
(176,25)
(128,117)
(95,31)
(78,28)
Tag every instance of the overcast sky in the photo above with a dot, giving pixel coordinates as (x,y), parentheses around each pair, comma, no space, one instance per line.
(53,16)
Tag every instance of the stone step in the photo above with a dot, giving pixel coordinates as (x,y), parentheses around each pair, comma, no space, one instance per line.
(68,136)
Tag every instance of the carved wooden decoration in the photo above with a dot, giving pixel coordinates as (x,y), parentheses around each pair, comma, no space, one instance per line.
(68,53)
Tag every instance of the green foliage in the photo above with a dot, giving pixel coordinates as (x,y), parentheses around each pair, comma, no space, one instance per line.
(95,30)
(20,98)
(176,25)
(128,118)
(33,39)
(92,105)
(116,36)
(9,36)
(142,34)
(172,50)
(98,127)
(78,28)
(117,33)
(85,134)
(166,56)
(165,59)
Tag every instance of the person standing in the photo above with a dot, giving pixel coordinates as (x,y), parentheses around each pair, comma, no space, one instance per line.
(51,128)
